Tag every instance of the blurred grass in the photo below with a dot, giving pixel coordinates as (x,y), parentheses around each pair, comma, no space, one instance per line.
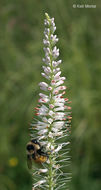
(21,52)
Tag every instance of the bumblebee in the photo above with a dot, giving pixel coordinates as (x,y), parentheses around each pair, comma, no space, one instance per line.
(35,153)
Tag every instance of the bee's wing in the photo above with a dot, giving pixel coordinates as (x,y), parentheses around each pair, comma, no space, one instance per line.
(42,153)
(29,161)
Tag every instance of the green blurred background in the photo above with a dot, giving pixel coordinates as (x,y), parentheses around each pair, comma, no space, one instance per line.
(21,52)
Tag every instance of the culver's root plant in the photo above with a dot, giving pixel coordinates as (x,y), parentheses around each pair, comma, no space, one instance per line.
(52,121)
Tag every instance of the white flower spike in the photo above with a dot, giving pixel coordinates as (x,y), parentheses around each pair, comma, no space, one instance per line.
(52,121)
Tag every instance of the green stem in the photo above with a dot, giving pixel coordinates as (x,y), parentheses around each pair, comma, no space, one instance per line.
(51,172)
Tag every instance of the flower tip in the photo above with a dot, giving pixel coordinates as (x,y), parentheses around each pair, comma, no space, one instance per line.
(47,16)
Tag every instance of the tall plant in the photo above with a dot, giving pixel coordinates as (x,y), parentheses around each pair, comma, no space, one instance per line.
(52,118)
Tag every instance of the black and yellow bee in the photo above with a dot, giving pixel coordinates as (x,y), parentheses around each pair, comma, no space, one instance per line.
(35,153)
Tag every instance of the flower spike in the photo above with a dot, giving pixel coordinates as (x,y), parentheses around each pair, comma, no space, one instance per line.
(52,119)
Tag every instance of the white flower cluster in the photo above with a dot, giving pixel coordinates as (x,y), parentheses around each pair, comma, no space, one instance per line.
(53,112)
